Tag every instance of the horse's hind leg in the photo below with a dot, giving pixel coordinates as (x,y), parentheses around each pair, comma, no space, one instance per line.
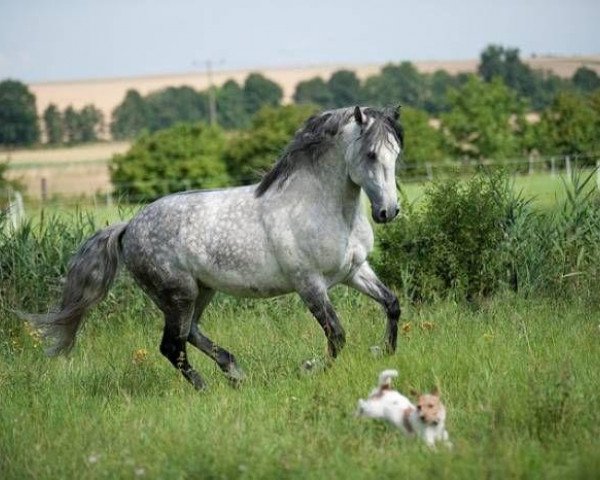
(225,360)
(178,307)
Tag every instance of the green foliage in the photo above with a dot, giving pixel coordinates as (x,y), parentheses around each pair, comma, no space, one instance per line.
(345,89)
(396,84)
(485,120)
(182,157)
(231,108)
(82,126)
(91,123)
(53,124)
(537,86)
(130,117)
(423,143)
(259,91)
(557,253)
(471,239)
(438,84)
(586,80)
(18,115)
(569,126)
(256,149)
(453,244)
(176,104)
(519,379)
(314,91)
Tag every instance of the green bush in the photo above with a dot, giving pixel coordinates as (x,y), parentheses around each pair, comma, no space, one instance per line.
(181,157)
(469,239)
(453,243)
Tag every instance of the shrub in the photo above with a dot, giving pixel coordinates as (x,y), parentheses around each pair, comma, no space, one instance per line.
(455,243)
(181,157)
(469,239)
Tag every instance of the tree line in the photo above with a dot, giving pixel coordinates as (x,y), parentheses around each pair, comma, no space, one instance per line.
(427,95)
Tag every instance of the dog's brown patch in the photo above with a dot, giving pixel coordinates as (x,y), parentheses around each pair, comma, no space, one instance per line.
(405,419)
(379,393)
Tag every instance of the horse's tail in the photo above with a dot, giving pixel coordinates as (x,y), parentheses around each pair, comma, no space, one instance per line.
(90,275)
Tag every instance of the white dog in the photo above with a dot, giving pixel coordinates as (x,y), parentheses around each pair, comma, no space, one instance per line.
(426,419)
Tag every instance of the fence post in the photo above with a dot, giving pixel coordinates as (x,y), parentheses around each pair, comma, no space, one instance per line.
(568,165)
(429,171)
(530,161)
(44,189)
(553,166)
(109,199)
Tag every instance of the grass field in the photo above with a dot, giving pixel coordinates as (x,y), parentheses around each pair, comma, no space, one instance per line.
(519,377)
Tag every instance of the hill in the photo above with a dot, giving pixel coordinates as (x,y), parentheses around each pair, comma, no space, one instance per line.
(107,93)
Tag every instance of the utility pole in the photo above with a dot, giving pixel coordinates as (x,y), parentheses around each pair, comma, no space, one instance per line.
(212,97)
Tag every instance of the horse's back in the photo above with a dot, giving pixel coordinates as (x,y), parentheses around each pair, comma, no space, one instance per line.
(215,237)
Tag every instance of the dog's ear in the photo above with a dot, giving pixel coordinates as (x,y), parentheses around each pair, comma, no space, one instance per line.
(413,391)
(436,391)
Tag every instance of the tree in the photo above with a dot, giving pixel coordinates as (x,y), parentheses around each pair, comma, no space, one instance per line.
(130,117)
(586,80)
(396,84)
(485,120)
(53,124)
(314,91)
(569,126)
(231,109)
(539,87)
(344,88)
(437,86)
(181,157)
(18,114)
(257,148)
(91,123)
(72,125)
(86,125)
(176,104)
(259,91)
(422,142)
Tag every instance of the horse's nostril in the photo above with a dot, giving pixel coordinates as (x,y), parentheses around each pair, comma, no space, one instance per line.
(383,214)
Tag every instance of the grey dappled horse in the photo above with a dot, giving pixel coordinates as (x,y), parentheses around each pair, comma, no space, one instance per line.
(301,229)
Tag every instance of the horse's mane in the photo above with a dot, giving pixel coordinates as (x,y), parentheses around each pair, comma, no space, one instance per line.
(318,134)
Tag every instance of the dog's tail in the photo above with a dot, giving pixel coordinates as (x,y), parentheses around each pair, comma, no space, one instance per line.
(385,378)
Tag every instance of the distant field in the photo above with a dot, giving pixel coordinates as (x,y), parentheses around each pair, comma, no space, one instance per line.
(69,172)
(106,94)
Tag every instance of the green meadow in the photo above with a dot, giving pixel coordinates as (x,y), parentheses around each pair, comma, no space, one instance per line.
(519,376)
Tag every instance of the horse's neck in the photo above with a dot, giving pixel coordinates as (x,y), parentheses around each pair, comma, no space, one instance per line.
(328,185)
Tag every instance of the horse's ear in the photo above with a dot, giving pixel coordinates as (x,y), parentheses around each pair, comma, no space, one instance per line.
(358,115)
(396,113)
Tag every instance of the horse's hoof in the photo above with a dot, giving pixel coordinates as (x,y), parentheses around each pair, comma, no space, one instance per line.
(235,375)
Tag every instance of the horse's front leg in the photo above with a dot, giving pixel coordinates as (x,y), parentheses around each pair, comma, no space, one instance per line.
(365,281)
(317,300)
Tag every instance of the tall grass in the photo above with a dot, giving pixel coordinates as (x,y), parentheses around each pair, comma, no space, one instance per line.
(519,373)
(470,239)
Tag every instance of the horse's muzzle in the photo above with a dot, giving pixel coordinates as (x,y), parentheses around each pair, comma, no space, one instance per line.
(384,215)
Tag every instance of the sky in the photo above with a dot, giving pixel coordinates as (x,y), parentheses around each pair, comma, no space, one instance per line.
(51,40)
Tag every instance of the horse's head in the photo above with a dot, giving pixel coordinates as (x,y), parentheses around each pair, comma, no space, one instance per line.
(374,143)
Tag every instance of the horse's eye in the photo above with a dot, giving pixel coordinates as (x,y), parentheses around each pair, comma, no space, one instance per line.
(371,155)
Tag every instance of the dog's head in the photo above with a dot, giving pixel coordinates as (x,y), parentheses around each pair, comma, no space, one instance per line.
(430,409)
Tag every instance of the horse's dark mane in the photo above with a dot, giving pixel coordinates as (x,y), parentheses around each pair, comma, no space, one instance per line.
(317,135)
